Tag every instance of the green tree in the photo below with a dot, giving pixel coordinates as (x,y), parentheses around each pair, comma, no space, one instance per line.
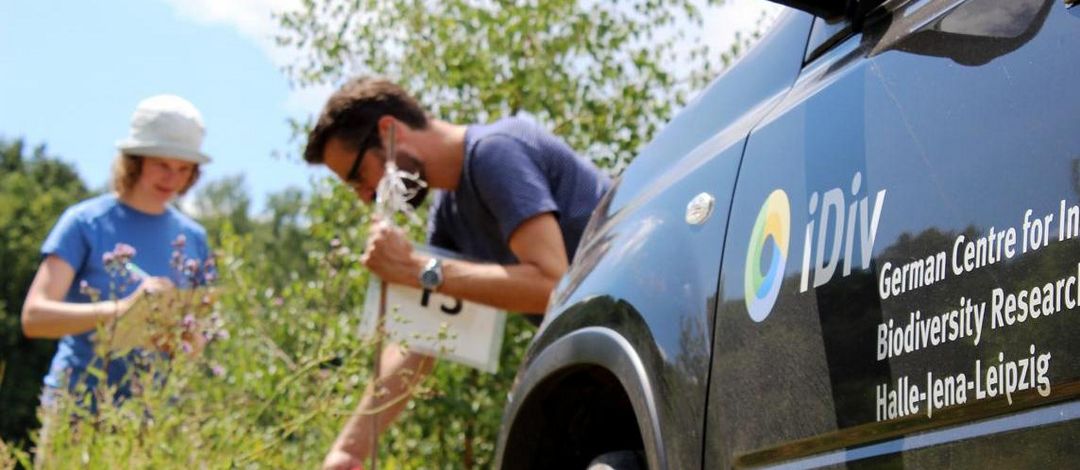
(35,188)
(602,75)
(224,201)
(285,235)
(286,209)
(223,206)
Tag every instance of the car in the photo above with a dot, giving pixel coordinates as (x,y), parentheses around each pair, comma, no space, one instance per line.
(858,247)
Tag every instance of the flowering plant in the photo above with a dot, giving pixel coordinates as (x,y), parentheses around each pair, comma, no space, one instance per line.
(181,318)
(276,389)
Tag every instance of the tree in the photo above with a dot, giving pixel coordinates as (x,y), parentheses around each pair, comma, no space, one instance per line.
(34,190)
(223,201)
(286,208)
(603,75)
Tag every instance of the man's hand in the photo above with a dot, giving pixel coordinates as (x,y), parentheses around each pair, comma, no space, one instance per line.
(390,255)
(338,459)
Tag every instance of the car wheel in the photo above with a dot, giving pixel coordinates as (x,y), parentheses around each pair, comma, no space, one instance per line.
(619,460)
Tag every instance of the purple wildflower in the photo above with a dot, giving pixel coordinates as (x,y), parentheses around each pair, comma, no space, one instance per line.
(191,267)
(217,369)
(124,252)
(188,322)
(85,289)
(278,301)
(116,261)
(215,328)
(186,347)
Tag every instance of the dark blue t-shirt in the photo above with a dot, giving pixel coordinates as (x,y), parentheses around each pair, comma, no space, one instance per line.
(84,233)
(514,170)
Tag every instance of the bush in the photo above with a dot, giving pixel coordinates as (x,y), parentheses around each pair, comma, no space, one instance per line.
(35,188)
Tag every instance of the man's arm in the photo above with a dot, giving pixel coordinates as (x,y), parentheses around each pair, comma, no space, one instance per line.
(524,287)
(384,400)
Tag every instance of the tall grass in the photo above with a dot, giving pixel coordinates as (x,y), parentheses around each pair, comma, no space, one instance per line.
(275,388)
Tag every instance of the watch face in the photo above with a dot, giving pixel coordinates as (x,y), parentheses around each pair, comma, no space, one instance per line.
(431,277)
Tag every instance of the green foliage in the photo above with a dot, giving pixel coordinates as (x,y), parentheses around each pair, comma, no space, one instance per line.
(271,395)
(224,202)
(275,393)
(12,456)
(223,206)
(35,188)
(604,75)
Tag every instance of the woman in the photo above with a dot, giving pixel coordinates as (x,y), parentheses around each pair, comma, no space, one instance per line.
(80,283)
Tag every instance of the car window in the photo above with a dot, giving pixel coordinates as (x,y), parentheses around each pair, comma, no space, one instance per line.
(825,34)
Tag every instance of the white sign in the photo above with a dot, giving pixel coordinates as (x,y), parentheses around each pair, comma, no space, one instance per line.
(465,332)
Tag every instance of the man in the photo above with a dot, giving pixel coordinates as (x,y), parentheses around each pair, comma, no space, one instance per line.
(510,194)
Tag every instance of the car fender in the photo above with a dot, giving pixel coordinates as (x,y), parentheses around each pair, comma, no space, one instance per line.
(593,346)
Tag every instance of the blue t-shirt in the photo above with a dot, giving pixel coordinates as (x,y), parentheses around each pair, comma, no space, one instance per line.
(514,170)
(84,233)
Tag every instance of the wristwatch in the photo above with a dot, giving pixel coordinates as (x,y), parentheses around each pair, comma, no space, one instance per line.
(431,277)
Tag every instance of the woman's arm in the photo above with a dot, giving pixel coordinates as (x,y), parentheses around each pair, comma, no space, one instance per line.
(46,315)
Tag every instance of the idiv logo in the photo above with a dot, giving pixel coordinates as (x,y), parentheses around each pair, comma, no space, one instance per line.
(767,255)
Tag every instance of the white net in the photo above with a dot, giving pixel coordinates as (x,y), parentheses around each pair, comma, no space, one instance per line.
(393,193)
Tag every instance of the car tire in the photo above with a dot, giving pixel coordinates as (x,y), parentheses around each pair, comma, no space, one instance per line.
(619,460)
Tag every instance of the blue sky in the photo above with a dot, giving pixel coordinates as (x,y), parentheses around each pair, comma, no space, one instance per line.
(71,73)
(74,71)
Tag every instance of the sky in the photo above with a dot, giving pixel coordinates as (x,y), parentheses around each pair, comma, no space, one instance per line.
(71,74)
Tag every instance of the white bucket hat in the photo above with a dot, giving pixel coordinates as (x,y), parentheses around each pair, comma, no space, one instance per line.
(166,126)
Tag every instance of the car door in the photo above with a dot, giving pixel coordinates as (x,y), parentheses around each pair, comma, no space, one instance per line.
(900,277)
(621,361)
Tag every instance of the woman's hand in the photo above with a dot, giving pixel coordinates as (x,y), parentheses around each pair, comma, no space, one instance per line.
(149,287)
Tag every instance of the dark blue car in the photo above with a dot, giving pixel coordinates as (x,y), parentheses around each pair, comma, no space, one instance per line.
(859,247)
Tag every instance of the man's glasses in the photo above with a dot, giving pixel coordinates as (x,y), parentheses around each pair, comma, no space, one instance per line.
(353,176)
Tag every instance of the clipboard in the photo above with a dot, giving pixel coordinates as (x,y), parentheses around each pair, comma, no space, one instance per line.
(159,312)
